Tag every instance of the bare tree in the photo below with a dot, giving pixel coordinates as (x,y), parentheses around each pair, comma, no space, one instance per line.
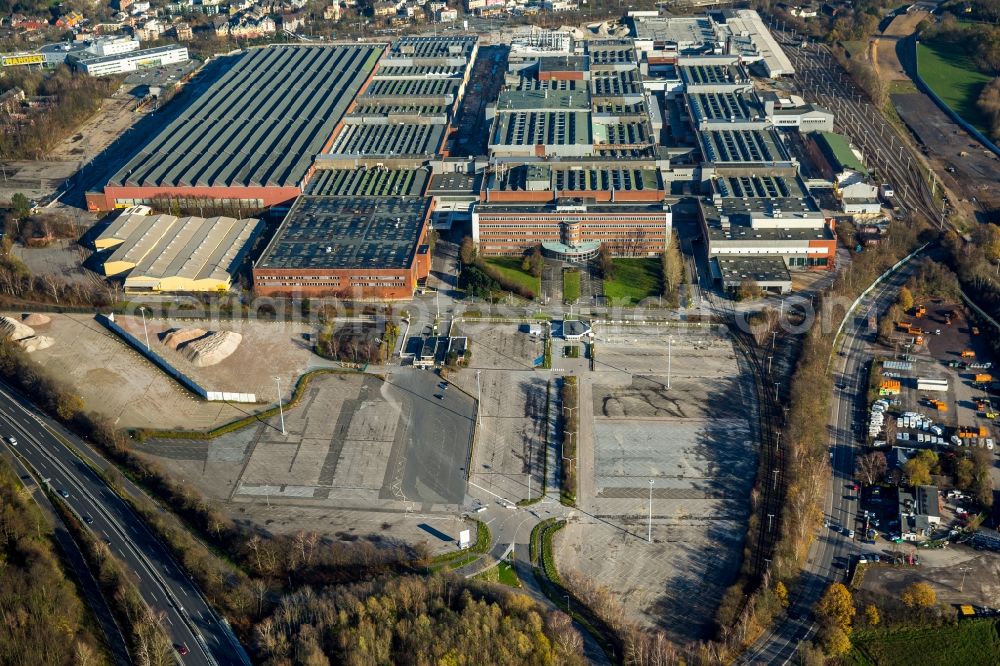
(871,468)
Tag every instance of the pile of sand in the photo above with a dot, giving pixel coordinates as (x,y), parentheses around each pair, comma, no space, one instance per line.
(35,319)
(213,348)
(36,342)
(15,330)
(181,336)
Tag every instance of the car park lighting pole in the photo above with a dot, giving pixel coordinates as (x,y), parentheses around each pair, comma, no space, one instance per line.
(281,411)
(142,311)
(479,401)
(670,359)
(649,534)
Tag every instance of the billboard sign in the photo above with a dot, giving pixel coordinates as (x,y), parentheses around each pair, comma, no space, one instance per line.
(464,539)
(23,59)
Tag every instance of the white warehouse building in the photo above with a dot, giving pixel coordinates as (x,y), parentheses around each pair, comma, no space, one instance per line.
(132,61)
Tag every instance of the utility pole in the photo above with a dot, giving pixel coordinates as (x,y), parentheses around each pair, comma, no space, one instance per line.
(770,516)
(649,534)
(479,401)
(670,359)
(964,570)
(281,410)
(142,311)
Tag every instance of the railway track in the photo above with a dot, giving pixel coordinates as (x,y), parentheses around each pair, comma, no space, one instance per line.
(772,455)
(820,76)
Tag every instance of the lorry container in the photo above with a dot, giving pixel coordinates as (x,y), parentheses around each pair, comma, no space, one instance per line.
(983,378)
(968,353)
(930,384)
(888,387)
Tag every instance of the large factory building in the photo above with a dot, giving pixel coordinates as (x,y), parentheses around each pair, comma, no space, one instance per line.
(250,139)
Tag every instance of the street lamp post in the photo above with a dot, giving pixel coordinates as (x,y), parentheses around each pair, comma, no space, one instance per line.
(281,410)
(649,533)
(670,359)
(142,311)
(479,401)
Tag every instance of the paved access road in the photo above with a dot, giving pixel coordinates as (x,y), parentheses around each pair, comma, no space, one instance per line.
(162,583)
(830,553)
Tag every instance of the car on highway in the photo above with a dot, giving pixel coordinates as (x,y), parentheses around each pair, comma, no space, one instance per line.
(181,648)
(64,493)
(12,441)
(88,519)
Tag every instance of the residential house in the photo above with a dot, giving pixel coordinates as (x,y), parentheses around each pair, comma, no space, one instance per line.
(331,12)
(70,20)
(292,22)
(183,32)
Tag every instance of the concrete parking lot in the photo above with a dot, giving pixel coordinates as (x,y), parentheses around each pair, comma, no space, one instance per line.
(511,441)
(682,434)
(500,346)
(373,452)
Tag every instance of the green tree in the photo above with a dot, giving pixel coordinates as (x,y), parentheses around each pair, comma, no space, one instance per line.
(20,205)
(781,592)
(536,262)
(467,251)
(835,641)
(837,606)
(920,467)
(905,299)
(606,263)
(964,474)
(919,595)
(673,267)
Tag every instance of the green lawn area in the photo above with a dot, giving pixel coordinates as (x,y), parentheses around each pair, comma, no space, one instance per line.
(503,573)
(510,268)
(855,48)
(971,643)
(950,74)
(571,285)
(635,279)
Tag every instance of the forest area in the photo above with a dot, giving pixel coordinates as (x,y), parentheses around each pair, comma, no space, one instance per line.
(44,621)
(56,102)
(437,620)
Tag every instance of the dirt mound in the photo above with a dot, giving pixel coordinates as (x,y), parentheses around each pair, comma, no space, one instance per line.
(181,336)
(15,330)
(36,342)
(35,319)
(213,348)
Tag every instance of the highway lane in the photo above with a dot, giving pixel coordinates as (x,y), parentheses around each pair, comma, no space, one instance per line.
(90,590)
(164,586)
(830,552)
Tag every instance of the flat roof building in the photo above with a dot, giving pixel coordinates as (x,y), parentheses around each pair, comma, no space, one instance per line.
(767,272)
(129,61)
(252,134)
(764,216)
(572,229)
(404,112)
(350,247)
(165,253)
